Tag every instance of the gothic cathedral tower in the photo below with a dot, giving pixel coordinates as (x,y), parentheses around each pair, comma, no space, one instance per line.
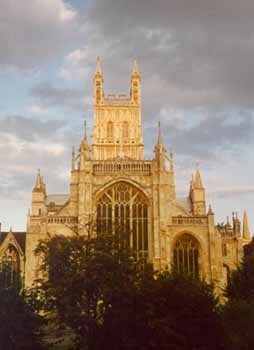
(116,190)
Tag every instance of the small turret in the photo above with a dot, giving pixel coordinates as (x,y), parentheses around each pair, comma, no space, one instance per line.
(38,196)
(98,83)
(236,224)
(246,232)
(197,184)
(160,151)
(210,217)
(197,195)
(135,92)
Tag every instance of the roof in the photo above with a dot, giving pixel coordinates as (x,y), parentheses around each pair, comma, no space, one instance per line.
(19,236)
(58,199)
(184,203)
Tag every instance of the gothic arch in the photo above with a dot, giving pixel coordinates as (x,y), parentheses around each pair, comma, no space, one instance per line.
(10,265)
(133,183)
(122,209)
(186,256)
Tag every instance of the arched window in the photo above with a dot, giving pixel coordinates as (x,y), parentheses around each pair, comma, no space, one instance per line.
(10,268)
(122,210)
(186,255)
(110,130)
(125,130)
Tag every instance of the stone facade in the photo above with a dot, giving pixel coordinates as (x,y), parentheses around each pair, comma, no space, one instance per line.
(116,189)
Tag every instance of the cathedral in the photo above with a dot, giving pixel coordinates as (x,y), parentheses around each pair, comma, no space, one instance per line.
(116,190)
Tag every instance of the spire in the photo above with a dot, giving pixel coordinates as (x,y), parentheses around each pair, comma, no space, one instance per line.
(98,69)
(198,182)
(246,232)
(39,183)
(135,69)
(159,140)
(38,179)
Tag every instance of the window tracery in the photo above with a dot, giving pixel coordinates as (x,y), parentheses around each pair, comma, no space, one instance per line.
(10,267)
(186,255)
(122,210)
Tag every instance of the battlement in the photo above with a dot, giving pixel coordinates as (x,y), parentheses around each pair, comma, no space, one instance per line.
(122,166)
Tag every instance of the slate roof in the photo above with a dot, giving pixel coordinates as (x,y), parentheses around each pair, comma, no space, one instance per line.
(184,202)
(58,199)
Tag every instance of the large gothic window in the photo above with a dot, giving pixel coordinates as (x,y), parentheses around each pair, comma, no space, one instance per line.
(186,255)
(122,210)
(10,268)
(110,130)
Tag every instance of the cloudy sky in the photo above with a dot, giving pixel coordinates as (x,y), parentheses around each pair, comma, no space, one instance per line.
(197,63)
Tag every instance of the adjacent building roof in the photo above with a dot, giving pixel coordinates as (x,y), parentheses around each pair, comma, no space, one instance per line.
(57,199)
(184,203)
(19,236)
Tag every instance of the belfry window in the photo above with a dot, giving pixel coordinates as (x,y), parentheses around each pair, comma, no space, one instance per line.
(186,255)
(122,210)
(10,268)
(110,130)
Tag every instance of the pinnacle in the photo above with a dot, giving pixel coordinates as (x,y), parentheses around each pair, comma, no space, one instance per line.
(98,69)
(246,232)
(198,181)
(135,69)
(159,141)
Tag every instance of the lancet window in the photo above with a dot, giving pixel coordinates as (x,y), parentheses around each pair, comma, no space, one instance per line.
(110,130)
(10,268)
(125,130)
(122,210)
(187,255)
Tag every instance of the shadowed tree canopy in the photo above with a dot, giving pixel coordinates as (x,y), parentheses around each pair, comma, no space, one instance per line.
(19,323)
(241,281)
(96,288)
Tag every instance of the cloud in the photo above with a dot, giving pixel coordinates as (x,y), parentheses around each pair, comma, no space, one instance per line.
(199,54)
(28,144)
(34,31)
(214,134)
(27,129)
(46,95)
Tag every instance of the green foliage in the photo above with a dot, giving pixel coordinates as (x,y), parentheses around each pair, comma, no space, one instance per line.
(241,281)
(84,275)
(238,319)
(96,289)
(18,322)
(238,313)
(168,311)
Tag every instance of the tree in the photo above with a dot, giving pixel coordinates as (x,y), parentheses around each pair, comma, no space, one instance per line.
(238,313)
(169,311)
(19,323)
(241,281)
(81,277)
(97,289)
